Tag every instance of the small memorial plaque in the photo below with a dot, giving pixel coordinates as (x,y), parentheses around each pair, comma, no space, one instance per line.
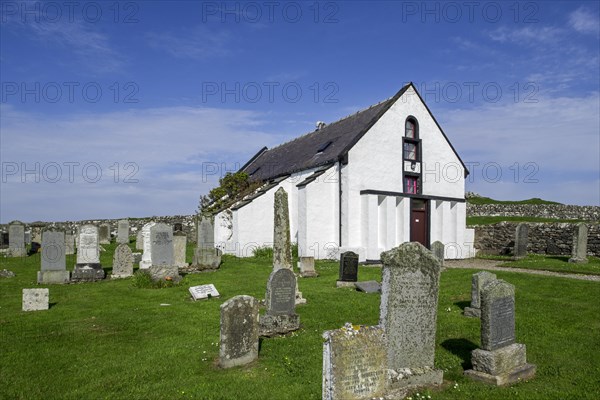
(204,291)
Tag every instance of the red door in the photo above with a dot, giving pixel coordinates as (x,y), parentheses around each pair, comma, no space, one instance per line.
(419,223)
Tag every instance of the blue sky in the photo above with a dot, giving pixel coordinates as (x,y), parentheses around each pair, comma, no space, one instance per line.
(130,109)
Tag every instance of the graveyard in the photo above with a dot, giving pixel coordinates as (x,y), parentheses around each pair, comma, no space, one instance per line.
(112,338)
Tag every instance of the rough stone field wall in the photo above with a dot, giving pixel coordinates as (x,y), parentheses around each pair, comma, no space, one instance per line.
(559,211)
(544,238)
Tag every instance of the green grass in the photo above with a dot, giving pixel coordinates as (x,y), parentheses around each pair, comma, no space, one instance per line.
(556,264)
(487,220)
(487,200)
(111,340)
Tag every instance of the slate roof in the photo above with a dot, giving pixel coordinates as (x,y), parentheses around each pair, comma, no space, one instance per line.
(319,148)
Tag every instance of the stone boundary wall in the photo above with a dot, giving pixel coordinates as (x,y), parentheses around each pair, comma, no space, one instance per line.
(187,221)
(559,211)
(544,238)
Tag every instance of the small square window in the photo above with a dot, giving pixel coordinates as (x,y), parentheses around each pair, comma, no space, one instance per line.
(409,129)
(410,151)
(411,184)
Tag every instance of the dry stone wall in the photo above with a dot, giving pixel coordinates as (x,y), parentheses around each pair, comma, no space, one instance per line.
(559,211)
(544,238)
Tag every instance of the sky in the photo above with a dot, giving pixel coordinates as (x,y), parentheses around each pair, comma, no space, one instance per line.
(136,108)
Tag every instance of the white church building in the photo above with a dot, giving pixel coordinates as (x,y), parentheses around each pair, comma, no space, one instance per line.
(366,183)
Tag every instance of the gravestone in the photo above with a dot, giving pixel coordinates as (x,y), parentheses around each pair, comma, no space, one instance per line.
(306,265)
(580,238)
(500,360)
(36,231)
(179,249)
(206,256)
(69,244)
(177,227)
(35,299)
(146,246)
(368,286)
(104,234)
(139,241)
(27,237)
(478,281)
(521,240)
(88,267)
(122,262)
(16,239)
(348,269)
(280,299)
(204,292)
(239,331)
(123,231)
(408,314)
(437,248)
(163,263)
(53,261)
(282,247)
(4,239)
(354,363)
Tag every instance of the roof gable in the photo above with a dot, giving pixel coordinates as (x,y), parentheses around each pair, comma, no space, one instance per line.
(324,146)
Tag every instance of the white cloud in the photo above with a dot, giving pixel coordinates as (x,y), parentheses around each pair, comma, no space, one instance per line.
(557,135)
(167,149)
(198,43)
(528,35)
(584,21)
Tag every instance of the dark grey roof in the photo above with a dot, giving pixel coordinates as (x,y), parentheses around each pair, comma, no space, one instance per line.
(322,147)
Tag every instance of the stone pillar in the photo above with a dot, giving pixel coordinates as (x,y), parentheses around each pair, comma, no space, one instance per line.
(579,251)
(282,247)
(521,240)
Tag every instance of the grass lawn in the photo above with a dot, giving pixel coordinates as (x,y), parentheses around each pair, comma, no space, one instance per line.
(487,200)
(110,340)
(488,220)
(554,263)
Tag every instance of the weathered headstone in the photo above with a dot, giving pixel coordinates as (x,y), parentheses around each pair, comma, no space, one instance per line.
(35,299)
(53,260)
(437,248)
(104,234)
(239,331)
(204,291)
(139,241)
(69,244)
(306,265)
(280,299)
(88,267)
(123,231)
(354,363)
(36,231)
(146,246)
(179,249)
(500,360)
(16,239)
(521,240)
(122,262)
(27,237)
(478,281)
(408,313)
(580,238)
(282,247)
(368,286)
(348,269)
(206,256)
(163,263)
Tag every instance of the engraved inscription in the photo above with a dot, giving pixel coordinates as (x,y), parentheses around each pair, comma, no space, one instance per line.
(502,322)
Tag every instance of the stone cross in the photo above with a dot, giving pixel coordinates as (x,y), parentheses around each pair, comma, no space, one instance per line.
(122,262)
(478,281)
(500,360)
(521,240)
(53,260)
(408,312)
(123,231)
(580,238)
(16,239)
(239,331)
(282,247)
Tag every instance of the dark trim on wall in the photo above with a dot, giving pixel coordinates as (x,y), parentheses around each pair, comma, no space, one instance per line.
(340,201)
(414,196)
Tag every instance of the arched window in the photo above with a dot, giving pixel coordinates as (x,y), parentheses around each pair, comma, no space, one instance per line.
(410,129)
